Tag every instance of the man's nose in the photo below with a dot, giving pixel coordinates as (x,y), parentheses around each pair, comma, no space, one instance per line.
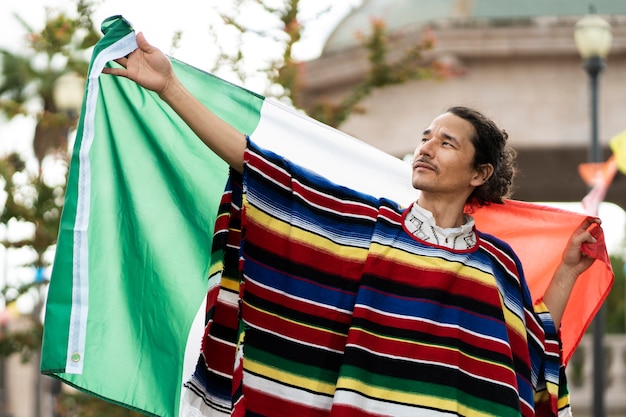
(425,148)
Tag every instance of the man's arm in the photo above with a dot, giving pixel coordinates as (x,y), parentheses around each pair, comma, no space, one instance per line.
(150,68)
(574,263)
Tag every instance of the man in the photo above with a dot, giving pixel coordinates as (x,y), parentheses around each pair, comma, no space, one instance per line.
(347,305)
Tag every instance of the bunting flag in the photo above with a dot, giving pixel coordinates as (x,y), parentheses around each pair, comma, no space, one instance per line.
(618,146)
(598,176)
(124,315)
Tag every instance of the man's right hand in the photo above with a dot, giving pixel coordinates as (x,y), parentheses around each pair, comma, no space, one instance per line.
(147,66)
(152,69)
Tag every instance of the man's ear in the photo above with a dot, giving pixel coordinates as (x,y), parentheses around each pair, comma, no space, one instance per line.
(482,175)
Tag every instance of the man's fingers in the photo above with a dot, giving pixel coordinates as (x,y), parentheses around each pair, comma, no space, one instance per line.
(589,238)
(585,233)
(122,61)
(142,42)
(587,223)
(115,71)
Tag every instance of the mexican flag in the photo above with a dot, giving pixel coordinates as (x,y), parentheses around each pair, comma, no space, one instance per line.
(125,310)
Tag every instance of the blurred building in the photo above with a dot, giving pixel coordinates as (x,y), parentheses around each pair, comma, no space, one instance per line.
(514,60)
(24,392)
(518,63)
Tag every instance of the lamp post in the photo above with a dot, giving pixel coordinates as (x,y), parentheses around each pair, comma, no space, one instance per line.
(593,37)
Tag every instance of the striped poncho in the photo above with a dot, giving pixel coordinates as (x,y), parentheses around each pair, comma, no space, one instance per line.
(321,304)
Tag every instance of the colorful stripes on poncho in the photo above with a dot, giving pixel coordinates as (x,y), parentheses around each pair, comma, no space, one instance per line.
(321,304)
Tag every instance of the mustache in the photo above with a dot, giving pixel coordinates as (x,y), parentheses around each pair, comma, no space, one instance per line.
(424,161)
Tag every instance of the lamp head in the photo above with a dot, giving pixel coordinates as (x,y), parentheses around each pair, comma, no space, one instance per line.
(593,37)
(68,92)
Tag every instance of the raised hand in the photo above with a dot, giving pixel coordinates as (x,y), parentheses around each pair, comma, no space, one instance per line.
(573,256)
(150,68)
(574,263)
(147,66)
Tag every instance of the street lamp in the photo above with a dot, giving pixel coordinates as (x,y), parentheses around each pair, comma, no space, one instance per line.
(68,93)
(51,132)
(593,37)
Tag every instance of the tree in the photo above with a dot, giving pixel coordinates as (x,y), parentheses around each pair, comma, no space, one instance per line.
(284,72)
(33,197)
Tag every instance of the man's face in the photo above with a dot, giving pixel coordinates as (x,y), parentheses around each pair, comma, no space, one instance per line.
(443,161)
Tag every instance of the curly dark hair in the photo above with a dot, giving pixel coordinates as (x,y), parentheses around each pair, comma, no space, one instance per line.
(490,143)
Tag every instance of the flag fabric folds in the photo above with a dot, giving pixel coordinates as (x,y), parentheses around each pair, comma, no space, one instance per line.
(538,234)
(125,311)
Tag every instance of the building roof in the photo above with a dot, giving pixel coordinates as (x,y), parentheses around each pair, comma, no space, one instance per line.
(413,14)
